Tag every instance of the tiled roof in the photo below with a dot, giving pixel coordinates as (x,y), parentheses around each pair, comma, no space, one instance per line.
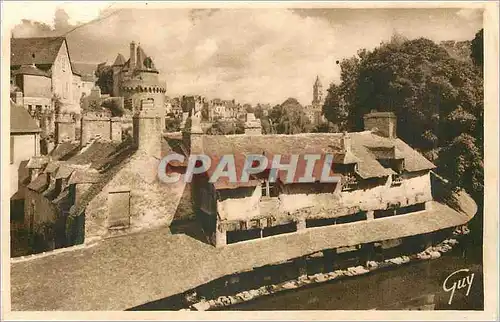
(21,121)
(40,183)
(39,51)
(143,259)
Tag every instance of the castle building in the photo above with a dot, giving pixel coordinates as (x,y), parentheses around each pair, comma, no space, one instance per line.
(137,79)
(105,184)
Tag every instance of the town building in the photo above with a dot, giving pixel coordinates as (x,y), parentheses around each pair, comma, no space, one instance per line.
(105,183)
(136,79)
(315,111)
(24,143)
(383,180)
(42,57)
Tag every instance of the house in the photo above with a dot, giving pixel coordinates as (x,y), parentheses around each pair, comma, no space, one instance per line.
(104,184)
(51,56)
(24,142)
(144,258)
(381,179)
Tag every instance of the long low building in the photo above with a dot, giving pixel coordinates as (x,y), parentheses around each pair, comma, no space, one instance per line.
(388,192)
(124,272)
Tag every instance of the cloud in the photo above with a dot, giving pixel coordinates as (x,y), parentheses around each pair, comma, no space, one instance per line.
(260,55)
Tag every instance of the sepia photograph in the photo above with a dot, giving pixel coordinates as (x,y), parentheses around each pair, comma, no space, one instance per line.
(260,159)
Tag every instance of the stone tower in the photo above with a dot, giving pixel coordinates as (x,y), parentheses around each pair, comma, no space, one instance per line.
(317,93)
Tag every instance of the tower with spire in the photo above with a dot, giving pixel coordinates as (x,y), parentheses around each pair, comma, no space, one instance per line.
(318,99)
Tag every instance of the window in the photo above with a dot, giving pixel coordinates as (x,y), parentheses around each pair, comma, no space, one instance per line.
(119,209)
(63,64)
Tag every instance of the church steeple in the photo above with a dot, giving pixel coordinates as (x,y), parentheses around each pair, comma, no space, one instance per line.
(317,93)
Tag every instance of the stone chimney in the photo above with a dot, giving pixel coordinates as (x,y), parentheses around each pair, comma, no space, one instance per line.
(345,143)
(147,129)
(132,56)
(65,128)
(253,125)
(18,98)
(381,123)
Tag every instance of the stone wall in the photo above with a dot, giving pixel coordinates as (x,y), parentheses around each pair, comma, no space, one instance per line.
(247,206)
(108,128)
(152,203)
(65,131)
(37,86)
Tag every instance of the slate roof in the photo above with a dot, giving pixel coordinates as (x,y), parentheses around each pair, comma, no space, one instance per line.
(21,121)
(63,172)
(119,61)
(40,183)
(64,150)
(39,51)
(37,162)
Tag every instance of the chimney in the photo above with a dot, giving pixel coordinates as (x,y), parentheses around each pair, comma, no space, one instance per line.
(18,98)
(65,128)
(132,56)
(381,123)
(253,125)
(147,129)
(345,142)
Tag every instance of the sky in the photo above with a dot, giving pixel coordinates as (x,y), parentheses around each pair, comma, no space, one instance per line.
(252,55)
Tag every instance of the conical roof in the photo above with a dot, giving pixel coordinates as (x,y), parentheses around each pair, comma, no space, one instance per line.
(119,61)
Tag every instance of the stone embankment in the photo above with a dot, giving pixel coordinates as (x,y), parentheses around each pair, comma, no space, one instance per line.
(432,252)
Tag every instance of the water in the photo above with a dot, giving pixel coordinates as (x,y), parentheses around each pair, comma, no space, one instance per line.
(417,286)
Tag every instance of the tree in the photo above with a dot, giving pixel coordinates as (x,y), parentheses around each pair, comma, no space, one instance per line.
(290,118)
(104,76)
(223,127)
(116,109)
(172,124)
(437,99)
(477,51)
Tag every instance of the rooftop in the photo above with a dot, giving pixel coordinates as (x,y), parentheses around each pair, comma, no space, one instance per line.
(362,145)
(123,272)
(21,121)
(39,51)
